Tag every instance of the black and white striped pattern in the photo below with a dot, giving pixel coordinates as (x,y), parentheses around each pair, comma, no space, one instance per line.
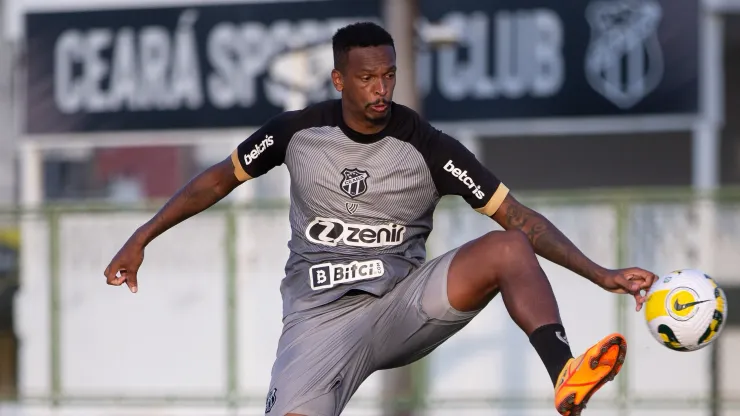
(400,191)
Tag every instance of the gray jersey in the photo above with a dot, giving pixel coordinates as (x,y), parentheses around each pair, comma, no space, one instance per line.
(361,205)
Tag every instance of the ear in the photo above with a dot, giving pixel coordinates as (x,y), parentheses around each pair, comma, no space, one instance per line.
(336,79)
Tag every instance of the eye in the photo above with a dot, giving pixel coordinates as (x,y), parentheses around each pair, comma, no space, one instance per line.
(391,75)
(365,78)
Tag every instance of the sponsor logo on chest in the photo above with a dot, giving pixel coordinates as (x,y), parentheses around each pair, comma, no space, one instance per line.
(332,231)
(328,275)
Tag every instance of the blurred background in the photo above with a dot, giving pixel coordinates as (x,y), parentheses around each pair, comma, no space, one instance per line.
(617,119)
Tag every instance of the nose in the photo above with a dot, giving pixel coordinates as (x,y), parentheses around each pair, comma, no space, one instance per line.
(381,89)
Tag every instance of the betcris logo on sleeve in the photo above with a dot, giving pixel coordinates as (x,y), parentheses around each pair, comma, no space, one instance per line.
(258,149)
(462,176)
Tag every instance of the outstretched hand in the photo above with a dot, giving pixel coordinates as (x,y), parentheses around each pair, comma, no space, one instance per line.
(125,265)
(631,281)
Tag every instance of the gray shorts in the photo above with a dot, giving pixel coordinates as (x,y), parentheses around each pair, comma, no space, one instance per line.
(326,353)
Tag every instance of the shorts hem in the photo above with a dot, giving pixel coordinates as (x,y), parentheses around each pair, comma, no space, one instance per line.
(298,409)
(460,315)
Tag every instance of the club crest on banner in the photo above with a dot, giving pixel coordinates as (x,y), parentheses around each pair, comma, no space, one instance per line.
(624,59)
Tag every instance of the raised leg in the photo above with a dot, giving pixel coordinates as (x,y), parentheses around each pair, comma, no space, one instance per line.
(504,262)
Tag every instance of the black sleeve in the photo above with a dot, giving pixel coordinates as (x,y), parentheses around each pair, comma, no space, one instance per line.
(265,148)
(456,171)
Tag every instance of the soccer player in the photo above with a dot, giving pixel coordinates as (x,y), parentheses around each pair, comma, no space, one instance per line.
(358,296)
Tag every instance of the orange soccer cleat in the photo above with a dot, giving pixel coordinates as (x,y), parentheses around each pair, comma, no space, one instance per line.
(584,375)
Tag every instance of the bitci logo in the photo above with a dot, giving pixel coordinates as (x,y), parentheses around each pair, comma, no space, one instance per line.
(328,275)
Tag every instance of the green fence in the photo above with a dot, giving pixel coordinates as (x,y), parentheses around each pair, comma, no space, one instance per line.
(656,229)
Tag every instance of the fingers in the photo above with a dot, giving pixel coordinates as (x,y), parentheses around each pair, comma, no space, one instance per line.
(112,276)
(132,283)
(644,281)
(647,279)
(637,284)
(639,301)
(634,281)
(649,282)
(632,284)
(628,283)
(116,275)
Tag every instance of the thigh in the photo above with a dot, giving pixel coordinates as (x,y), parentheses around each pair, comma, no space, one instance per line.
(417,317)
(322,358)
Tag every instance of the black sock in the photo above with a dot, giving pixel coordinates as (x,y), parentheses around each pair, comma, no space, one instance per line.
(551,344)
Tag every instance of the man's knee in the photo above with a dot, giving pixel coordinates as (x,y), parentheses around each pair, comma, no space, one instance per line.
(507,253)
(513,238)
(480,268)
(510,244)
(495,254)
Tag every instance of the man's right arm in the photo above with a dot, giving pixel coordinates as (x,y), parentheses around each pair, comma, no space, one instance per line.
(254,157)
(203,191)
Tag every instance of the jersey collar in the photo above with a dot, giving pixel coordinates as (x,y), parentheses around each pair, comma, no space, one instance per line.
(360,137)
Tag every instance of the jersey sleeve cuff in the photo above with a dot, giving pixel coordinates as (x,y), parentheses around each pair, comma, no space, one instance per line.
(239,171)
(495,202)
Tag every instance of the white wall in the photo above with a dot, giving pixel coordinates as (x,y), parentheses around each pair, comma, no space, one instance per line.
(169,339)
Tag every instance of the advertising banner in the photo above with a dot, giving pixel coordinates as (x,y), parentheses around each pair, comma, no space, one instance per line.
(237,65)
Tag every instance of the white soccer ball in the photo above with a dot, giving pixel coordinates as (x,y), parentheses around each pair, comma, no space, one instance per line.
(685,310)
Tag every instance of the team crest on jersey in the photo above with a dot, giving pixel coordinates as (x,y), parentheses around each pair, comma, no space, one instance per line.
(354,182)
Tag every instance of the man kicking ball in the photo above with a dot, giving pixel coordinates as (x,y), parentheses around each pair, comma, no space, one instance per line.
(358,296)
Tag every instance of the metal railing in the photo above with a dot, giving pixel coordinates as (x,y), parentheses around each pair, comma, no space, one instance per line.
(633,223)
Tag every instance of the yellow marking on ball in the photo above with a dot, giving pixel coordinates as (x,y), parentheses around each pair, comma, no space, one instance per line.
(655,305)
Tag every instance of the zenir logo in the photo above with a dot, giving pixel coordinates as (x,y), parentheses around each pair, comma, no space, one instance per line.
(332,231)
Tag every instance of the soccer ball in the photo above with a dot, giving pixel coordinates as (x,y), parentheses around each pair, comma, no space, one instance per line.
(685,310)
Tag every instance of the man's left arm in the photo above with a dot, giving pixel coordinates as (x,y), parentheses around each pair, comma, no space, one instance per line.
(550,243)
(456,171)
(547,240)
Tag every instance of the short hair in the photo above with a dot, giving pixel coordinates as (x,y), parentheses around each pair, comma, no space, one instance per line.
(358,35)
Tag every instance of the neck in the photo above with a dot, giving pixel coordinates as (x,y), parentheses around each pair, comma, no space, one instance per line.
(361,124)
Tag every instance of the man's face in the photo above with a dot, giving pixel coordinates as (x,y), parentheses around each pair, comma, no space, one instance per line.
(367,81)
